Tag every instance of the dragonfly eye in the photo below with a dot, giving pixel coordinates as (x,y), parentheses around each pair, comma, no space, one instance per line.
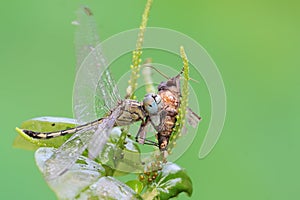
(150,104)
(157,99)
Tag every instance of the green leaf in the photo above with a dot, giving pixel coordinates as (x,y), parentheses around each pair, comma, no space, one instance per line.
(84,180)
(171,181)
(121,161)
(43,124)
(136,185)
(80,176)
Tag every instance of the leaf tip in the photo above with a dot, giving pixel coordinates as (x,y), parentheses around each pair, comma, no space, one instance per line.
(20,131)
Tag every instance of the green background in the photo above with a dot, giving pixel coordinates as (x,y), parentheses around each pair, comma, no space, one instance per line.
(255,44)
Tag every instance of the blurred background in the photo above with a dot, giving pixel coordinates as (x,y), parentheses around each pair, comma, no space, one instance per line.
(255,45)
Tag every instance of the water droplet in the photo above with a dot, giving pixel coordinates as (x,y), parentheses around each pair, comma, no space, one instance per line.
(77,142)
(75,22)
(105,194)
(93,187)
(91,48)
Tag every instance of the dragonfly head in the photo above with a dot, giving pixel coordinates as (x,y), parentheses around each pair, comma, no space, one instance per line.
(152,103)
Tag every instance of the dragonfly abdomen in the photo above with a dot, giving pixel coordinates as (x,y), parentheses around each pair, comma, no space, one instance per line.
(131,112)
(48,135)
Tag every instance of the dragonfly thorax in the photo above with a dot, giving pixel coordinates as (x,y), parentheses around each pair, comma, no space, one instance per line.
(132,111)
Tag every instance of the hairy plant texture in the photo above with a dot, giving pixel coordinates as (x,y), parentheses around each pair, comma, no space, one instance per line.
(183,101)
(136,54)
(147,74)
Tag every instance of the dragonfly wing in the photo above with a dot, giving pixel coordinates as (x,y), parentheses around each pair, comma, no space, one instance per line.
(67,154)
(93,83)
(192,118)
(80,176)
(101,135)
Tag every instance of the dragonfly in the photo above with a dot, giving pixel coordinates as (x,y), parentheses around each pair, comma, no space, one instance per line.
(98,91)
(118,112)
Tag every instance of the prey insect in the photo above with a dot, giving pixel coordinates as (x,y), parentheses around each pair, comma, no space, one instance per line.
(162,110)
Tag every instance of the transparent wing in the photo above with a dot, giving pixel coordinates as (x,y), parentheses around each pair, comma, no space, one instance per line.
(192,118)
(80,176)
(92,137)
(67,154)
(95,92)
(101,135)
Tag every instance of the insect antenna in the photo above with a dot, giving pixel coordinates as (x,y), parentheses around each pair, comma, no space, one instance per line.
(191,79)
(149,64)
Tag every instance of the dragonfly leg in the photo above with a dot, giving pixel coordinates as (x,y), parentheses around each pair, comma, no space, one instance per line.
(150,142)
(146,141)
(141,134)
